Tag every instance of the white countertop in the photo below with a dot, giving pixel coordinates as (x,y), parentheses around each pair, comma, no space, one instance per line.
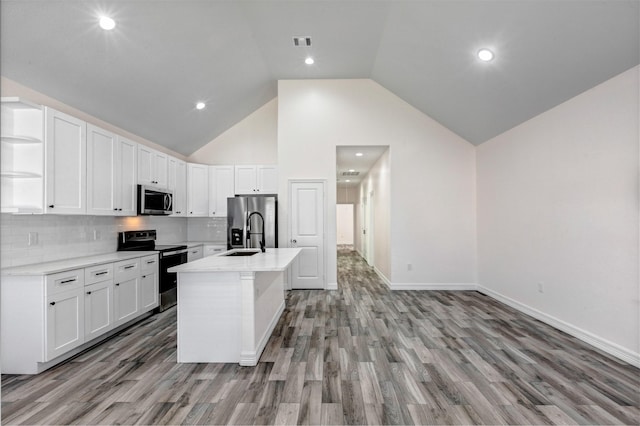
(274,259)
(74,263)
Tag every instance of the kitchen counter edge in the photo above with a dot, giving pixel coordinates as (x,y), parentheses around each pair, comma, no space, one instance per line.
(273,260)
(64,265)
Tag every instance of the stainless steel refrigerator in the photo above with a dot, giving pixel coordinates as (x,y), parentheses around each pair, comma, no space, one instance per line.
(251,220)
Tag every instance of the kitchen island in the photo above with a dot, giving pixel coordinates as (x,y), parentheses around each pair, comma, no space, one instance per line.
(228,305)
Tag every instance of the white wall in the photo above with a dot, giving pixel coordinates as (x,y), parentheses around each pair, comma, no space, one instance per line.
(254,140)
(377,182)
(558,205)
(345,223)
(432,174)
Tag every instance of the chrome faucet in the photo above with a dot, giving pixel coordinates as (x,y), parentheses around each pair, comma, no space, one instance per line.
(249,233)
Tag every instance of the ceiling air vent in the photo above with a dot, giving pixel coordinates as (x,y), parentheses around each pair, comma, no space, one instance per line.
(350,173)
(302,41)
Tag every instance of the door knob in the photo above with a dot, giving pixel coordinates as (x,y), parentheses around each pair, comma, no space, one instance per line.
(294,241)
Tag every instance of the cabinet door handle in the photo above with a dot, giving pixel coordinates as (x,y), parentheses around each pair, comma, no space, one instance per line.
(52,303)
(119,210)
(117,285)
(144,276)
(68,281)
(101,273)
(51,206)
(129,266)
(88,292)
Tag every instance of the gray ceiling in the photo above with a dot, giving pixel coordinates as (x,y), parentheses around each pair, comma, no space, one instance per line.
(146,75)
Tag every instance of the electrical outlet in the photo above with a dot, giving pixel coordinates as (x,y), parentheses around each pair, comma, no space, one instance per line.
(540,287)
(409,267)
(33,238)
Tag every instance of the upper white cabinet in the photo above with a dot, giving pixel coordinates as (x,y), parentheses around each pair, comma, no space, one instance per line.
(101,171)
(261,179)
(65,164)
(127,177)
(111,173)
(22,157)
(177,183)
(198,192)
(152,167)
(221,187)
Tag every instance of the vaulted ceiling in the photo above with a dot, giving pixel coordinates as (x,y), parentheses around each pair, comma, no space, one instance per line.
(146,74)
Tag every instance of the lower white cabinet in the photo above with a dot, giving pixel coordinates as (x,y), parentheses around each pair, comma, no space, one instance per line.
(98,309)
(149,286)
(80,306)
(194,253)
(211,249)
(64,322)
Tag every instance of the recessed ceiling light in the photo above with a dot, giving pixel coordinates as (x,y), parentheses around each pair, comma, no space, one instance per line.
(352,170)
(485,55)
(309,60)
(348,180)
(107,23)
(200,105)
(359,154)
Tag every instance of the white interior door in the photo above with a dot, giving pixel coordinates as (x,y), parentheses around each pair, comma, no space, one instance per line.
(307,219)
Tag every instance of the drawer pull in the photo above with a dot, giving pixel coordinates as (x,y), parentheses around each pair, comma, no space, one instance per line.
(118,285)
(149,262)
(101,273)
(129,266)
(68,281)
(52,303)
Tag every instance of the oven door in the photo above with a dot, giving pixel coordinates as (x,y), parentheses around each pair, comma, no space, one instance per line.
(169,280)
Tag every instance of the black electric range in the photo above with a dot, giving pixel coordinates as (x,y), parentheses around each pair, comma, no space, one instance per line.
(170,255)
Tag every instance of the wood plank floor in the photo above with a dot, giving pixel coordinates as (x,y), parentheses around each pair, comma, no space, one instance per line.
(359,355)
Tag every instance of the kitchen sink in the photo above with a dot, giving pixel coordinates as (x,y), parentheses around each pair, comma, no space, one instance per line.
(243,253)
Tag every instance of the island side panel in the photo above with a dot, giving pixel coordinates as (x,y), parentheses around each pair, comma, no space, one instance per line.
(209,317)
(263,304)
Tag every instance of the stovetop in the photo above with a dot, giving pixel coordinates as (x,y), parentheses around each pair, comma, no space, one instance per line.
(144,241)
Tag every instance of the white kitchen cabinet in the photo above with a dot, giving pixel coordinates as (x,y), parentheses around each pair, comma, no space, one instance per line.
(221,186)
(98,300)
(195,253)
(126,293)
(64,322)
(149,287)
(197,190)
(98,309)
(102,156)
(260,179)
(111,173)
(127,177)
(65,163)
(49,317)
(152,167)
(177,183)
(64,312)
(22,156)
(213,249)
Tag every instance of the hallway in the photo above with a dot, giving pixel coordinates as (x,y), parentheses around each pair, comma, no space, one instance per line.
(359,355)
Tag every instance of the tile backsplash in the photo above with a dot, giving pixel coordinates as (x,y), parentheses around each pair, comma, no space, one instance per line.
(26,239)
(212,229)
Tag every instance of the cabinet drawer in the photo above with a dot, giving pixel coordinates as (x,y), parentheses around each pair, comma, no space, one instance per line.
(64,281)
(99,273)
(211,250)
(126,270)
(149,264)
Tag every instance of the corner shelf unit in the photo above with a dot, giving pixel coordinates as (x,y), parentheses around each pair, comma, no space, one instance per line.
(22,156)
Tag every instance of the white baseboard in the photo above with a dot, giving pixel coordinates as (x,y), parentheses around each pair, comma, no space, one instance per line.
(251,358)
(433,286)
(611,348)
(382,277)
(332,286)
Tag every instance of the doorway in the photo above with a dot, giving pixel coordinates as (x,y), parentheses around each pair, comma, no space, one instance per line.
(345,224)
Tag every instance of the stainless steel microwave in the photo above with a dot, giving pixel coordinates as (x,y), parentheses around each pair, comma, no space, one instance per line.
(154,201)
